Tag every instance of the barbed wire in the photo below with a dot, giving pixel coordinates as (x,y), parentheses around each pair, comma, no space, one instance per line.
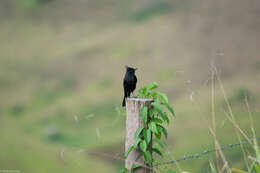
(174,161)
(205,152)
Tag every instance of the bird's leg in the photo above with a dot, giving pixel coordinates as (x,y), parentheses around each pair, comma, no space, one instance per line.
(134,95)
(130,94)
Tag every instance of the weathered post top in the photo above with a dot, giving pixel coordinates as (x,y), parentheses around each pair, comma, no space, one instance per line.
(139,100)
(133,122)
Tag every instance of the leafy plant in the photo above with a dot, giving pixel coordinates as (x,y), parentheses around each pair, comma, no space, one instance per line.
(123,170)
(155,117)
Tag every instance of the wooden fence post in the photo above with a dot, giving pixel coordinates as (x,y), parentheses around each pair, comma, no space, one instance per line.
(133,122)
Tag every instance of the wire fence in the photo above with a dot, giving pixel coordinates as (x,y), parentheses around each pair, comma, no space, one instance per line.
(205,152)
(184,158)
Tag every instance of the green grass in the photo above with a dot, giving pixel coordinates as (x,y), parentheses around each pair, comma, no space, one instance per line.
(151,10)
(49,75)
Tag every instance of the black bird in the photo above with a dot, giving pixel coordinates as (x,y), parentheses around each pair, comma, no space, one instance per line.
(130,81)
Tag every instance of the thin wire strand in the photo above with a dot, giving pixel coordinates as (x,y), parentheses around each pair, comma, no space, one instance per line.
(205,152)
(184,158)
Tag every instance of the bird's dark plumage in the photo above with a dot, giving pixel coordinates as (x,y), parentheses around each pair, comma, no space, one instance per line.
(129,83)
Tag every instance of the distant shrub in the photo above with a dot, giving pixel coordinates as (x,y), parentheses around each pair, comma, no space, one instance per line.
(30,4)
(52,133)
(239,95)
(17,110)
(153,9)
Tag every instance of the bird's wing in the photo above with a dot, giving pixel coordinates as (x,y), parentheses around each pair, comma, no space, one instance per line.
(125,84)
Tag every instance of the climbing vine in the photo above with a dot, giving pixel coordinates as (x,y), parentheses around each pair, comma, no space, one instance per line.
(155,118)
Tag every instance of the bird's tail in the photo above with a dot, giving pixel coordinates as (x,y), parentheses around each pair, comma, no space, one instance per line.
(125,95)
(123,103)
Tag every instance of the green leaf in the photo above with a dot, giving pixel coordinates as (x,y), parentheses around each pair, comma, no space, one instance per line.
(158,108)
(165,133)
(142,92)
(151,113)
(257,150)
(162,129)
(148,157)
(156,99)
(154,95)
(128,151)
(158,135)
(143,145)
(152,127)
(238,170)
(156,145)
(152,86)
(161,143)
(163,97)
(251,167)
(144,111)
(138,131)
(137,141)
(170,109)
(135,166)
(165,118)
(156,120)
(212,167)
(257,167)
(123,170)
(157,151)
(148,136)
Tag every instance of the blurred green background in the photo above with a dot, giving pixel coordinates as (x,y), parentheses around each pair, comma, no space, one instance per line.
(62,65)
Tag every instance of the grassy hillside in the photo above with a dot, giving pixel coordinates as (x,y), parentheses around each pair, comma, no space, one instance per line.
(61,70)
